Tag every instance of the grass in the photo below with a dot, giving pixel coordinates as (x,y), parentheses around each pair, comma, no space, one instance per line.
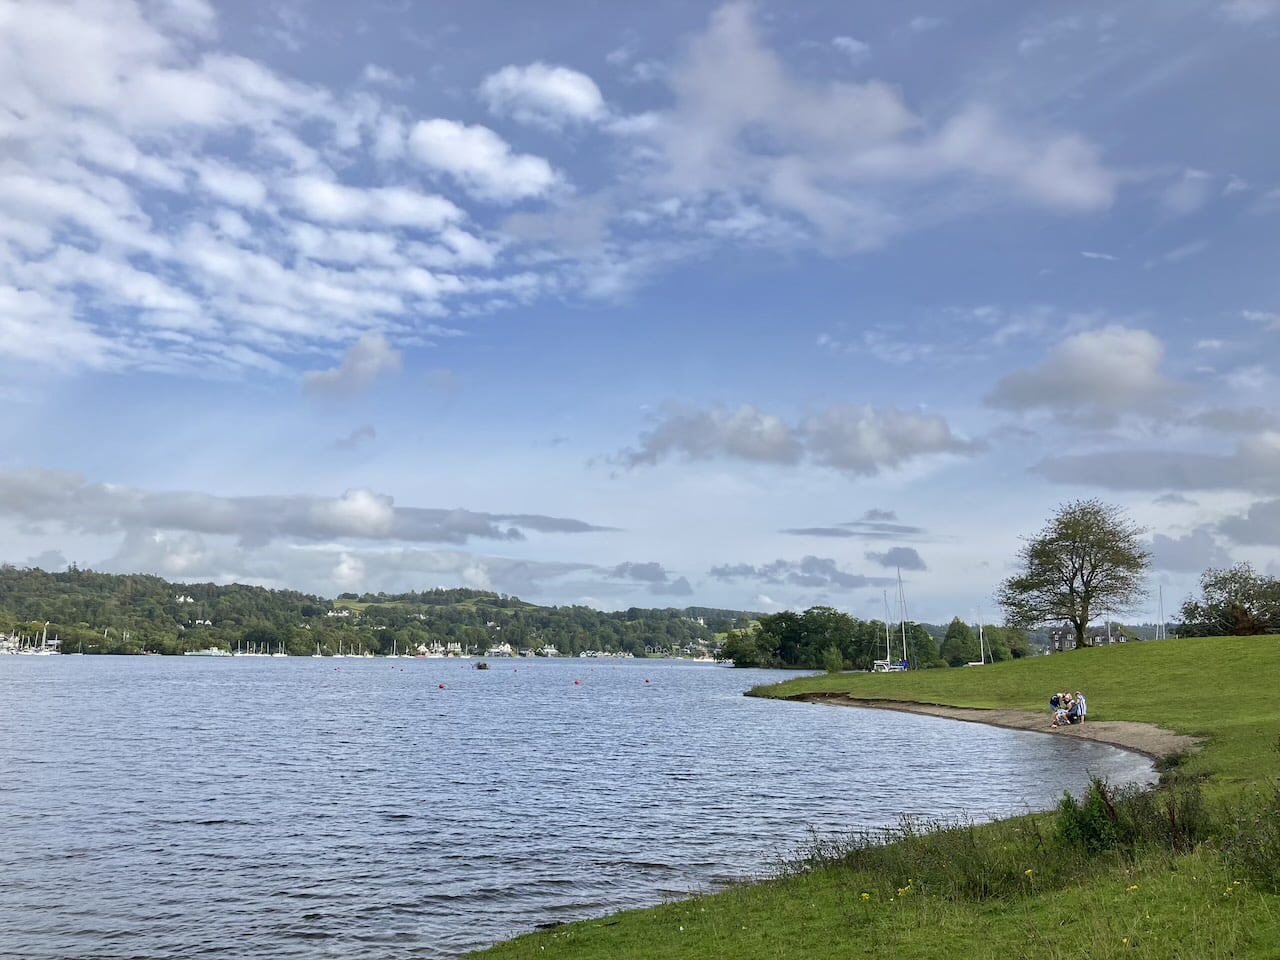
(1022,887)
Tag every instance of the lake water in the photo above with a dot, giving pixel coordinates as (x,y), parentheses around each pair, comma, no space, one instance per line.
(305,808)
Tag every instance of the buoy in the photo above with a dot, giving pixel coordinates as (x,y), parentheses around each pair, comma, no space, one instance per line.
(442,686)
(577,683)
(646,679)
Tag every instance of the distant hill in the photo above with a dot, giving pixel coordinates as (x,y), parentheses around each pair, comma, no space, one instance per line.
(93,612)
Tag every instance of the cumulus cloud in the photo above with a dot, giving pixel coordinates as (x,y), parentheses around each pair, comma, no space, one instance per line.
(743,434)
(905,558)
(857,440)
(368,359)
(866,440)
(1095,377)
(480,161)
(45,499)
(543,95)
(810,571)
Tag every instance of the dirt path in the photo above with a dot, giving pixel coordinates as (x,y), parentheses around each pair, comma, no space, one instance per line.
(1145,738)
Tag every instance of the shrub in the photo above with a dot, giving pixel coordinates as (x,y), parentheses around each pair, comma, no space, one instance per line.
(1109,819)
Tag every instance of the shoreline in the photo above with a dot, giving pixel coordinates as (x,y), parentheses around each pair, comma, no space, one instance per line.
(1147,739)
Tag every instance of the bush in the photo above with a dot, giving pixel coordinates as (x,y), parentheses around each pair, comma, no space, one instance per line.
(1108,819)
(832,661)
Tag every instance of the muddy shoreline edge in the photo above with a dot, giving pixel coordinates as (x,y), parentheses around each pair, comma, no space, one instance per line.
(1147,739)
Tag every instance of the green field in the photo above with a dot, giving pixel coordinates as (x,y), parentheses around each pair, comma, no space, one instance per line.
(1018,888)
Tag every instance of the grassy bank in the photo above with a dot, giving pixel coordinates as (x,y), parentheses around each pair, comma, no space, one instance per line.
(1198,879)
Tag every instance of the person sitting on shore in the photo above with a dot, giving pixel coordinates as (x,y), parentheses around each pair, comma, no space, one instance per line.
(1062,715)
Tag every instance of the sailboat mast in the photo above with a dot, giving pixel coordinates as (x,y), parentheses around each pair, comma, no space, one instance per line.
(887,655)
(902,606)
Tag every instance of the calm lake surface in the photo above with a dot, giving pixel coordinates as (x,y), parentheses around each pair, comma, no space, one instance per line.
(169,807)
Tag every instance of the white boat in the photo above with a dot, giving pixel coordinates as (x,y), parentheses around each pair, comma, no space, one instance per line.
(207,652)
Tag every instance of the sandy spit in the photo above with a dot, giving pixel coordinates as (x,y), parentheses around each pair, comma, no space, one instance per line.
(1144,738)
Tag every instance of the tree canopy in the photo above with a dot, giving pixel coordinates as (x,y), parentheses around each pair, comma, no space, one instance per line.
(960,645)
(1088,560)
(1233,602)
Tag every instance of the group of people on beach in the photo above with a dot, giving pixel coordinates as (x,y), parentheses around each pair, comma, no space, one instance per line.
(1068,708)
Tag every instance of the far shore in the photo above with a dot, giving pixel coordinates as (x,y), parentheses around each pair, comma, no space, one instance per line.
(1144,738)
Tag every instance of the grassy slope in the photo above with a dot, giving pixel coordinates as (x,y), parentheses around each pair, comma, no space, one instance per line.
(1158,906)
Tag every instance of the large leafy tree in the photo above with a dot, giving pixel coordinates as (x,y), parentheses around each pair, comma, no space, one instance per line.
(1087,561)
(1233,602)
(959,646)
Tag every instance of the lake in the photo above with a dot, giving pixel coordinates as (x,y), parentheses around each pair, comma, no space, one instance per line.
(171,807)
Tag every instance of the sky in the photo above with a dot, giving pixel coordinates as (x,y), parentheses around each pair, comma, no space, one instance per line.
(744,305)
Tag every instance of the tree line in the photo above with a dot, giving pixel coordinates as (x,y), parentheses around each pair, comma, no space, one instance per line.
(93,612)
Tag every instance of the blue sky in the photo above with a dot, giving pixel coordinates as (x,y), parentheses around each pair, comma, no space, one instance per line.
(729,304)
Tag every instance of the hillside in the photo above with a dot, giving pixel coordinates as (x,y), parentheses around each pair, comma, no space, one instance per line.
(94,613)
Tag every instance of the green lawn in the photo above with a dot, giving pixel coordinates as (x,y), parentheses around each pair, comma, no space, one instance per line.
(1146,902)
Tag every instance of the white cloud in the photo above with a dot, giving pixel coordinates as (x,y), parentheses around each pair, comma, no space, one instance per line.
(1267,320)
(543,95)
(851,47)
(1095,377)
(357,513)
(744,434)
(367,360)
(846,159)
(230,185)
(856,440)
(49,500)
(35,329)
(866,440)
(372,73)
(480,160)
(332,202)
(1093,255)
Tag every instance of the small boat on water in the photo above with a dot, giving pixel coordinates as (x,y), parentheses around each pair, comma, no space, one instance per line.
(207,652)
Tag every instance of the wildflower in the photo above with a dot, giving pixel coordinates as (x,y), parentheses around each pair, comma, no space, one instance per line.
(1028,873)
(1131,888)
(866,898)
(1125,941)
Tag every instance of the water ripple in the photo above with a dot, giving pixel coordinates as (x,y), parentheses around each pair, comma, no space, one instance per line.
(163,808)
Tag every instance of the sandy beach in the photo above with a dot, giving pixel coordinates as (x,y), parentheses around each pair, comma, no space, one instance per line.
(1144,738)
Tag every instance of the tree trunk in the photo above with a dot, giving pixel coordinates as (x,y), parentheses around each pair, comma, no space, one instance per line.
(1080,637)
